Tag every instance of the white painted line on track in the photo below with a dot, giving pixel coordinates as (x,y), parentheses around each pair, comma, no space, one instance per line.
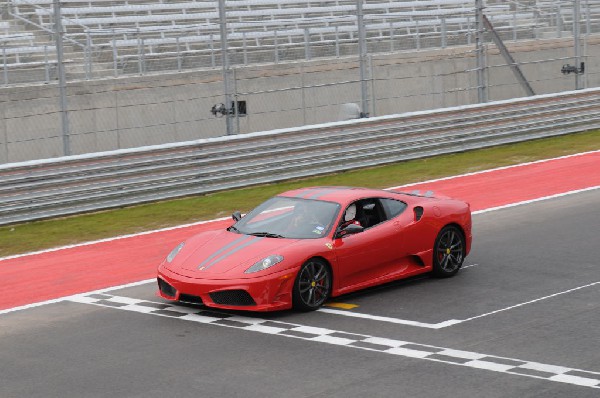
(526,202)
(66,298)
(449,322)
(530,302)
(406,349)
(226,218)
(386,319)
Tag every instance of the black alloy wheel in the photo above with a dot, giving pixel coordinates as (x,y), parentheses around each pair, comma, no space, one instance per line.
(312,286)
(448,252)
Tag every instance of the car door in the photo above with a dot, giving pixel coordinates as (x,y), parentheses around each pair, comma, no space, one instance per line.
(370,254)
(411,233)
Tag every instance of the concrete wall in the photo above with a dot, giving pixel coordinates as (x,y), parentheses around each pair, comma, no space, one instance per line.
(136,111)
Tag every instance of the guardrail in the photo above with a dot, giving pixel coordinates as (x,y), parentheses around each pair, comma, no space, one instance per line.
(75,184)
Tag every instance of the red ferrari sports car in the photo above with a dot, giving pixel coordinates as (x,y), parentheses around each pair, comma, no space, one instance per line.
(301,247)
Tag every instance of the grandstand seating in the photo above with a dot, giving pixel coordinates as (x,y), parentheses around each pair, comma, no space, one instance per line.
(7,38)
(123,33)
(19,48)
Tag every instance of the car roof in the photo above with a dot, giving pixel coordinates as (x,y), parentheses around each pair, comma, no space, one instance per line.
(338,194)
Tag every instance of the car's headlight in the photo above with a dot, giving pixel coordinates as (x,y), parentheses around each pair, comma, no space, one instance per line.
(174,252)
(264,264)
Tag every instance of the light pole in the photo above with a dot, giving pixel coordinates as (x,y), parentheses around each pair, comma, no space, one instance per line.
(479,29)
(62,86)
(576,34)
(225,64)
(362,55)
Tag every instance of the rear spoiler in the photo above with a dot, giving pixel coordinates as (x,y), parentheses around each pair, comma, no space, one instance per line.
(426,194)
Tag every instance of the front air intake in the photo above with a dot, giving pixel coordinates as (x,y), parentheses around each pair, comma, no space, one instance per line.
(188,298)
(166,289)
(232,297)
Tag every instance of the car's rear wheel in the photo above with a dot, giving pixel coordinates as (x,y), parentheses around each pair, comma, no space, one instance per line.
(312,286)
(448,251)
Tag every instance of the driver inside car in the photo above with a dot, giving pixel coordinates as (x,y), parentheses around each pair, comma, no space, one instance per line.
(350,217)
(306,220)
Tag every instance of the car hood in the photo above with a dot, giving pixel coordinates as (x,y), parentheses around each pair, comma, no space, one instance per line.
(220,252)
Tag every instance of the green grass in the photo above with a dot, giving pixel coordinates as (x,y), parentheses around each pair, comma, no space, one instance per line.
(27,237)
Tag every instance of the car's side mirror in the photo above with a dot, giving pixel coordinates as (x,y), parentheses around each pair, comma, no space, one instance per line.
(237,216)
(349,230)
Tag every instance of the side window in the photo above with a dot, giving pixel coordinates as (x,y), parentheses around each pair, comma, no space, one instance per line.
(392,207)
(364,212)
(370,212)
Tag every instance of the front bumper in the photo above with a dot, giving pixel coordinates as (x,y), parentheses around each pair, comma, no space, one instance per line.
(272,292)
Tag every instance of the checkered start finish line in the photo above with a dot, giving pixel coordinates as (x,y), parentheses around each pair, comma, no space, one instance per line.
(518,367)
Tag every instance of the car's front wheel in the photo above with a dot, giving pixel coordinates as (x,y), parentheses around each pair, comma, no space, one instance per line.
(448,251)
(312,286)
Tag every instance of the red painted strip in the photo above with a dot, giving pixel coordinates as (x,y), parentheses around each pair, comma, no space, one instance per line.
(45,276)
(51,275)
(517,184)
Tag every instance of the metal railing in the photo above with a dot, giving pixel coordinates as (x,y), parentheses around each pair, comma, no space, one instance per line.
(54,187)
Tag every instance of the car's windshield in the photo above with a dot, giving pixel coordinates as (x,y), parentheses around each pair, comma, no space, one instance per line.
(283,217)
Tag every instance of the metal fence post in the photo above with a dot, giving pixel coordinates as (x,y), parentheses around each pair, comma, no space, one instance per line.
(444,33)
(213,62)
(5,66)
(587,18)
(303,95)
(46,65)
(391,37)
(514,30)
(469,33)
(417,35)
(115,55)
(225,64)
(372,74)
(585,52)
(276,45)
(245,50)
(235,96)
(88,55)
(558,21)
(178,54)
(58,37)
(337,41)
(576,18)
(306,44)
(141,54)
(481,88)
(362,54)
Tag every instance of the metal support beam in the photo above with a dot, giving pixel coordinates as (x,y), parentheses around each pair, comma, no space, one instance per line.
(479,50)
(362,58)
(507,57)
(225,65)
(62,85)
(577,44)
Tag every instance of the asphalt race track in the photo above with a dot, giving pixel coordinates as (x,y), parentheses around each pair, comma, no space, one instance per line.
(522,319)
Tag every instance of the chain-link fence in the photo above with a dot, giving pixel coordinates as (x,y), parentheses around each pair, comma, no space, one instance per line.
(110,75)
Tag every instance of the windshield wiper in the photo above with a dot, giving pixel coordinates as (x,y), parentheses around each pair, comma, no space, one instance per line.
(234,229)
(267,235)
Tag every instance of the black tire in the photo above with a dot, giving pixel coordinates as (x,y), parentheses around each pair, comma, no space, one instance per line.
(312,286)
(448,252)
